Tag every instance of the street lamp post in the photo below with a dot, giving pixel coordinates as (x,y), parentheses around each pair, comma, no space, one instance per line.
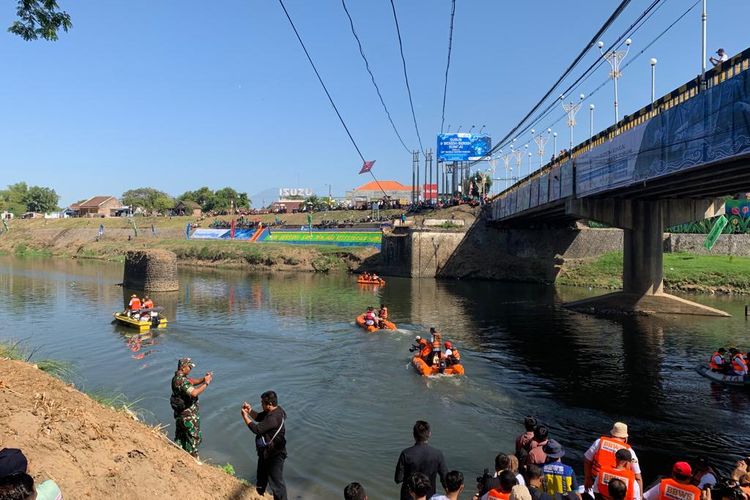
(508,168)
(554,145)
(529,169)
(614,59)
(591,121)
(518,156)
(541,140)
(653,80)
(571,109)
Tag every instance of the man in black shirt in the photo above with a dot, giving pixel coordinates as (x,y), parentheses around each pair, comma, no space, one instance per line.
(420,458)
(269,427)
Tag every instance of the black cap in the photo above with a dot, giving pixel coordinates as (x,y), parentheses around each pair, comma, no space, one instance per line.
(12,461)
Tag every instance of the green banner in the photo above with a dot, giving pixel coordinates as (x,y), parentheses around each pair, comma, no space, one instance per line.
(715,232)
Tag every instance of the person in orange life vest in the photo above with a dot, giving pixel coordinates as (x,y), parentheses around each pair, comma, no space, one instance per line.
(677,487)
(148,303)
(425,348)
(621,471)
(602,453)
(370,317)
(134,304)
(383,314)
(739,364)
(452,356)
(717,362)
(437,353)
(507,480)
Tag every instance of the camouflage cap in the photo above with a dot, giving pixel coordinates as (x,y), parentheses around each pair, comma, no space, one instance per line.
(185,361)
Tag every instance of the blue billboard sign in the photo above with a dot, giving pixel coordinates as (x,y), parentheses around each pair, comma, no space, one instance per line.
(463,146)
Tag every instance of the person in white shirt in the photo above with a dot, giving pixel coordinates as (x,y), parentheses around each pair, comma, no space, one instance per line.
(718,60)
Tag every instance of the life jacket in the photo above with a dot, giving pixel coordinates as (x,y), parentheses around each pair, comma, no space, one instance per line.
(148,304)
(369,316)
(605,455)
(436,342)
(496,494)
(134,304)
(383,313)
(426,348)
(739,365)
(606,474)
(669,489)
(455,355)
(715,366)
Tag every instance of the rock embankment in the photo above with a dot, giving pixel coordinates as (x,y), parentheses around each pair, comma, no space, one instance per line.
(92,451)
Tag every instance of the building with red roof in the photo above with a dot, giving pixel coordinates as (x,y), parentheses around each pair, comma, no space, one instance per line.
(374,191)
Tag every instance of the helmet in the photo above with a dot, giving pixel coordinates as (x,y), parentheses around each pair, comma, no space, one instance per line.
(448,344)
(418,338)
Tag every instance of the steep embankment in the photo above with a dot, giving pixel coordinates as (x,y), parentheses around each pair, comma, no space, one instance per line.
(92,451)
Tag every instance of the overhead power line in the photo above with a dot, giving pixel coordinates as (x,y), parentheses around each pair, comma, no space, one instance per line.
(448,65)
(372,77)
(333,104)
(406,75)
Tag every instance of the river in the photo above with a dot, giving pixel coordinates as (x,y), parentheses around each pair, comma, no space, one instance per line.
(352,397)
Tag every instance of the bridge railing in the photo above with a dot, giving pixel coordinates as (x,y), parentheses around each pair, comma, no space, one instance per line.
(718,74)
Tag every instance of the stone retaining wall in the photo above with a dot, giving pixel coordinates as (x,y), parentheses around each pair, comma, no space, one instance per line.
(150,270)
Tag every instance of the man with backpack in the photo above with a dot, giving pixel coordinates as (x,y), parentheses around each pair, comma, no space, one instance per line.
(184,402)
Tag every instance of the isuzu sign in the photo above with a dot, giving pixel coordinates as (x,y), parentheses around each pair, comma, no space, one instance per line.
(463,146)
(286,192)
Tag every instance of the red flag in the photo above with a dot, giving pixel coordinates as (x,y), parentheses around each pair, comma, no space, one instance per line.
(366,167)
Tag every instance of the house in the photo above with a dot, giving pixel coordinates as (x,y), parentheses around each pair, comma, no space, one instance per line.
(99,206)
(287,205)
(187,207)
(373,191)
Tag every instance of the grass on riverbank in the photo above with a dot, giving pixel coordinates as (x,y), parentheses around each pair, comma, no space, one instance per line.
(682,271)
(15,350)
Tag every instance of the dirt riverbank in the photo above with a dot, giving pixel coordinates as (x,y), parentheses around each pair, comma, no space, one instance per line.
(92,451)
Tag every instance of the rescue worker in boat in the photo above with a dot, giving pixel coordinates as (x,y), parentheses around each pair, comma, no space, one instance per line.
(717,362)
(147,302)
(366,276)
(436,359)
(371,319)
(452,356)
(424,348)
(739,363)
(134,305)
(383,315)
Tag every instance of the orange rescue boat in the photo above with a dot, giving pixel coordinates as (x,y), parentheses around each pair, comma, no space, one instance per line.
(372,328)
(428,371)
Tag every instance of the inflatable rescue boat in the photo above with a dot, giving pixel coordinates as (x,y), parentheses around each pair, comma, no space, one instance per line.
(723,378)
(370,329)
(379,281)
(428,371)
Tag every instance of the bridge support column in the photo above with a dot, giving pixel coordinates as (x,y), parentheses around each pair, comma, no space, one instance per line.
(643,222)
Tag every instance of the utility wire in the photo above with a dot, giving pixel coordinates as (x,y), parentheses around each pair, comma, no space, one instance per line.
(406,75)
(354,143)
(448,65)
(372,77)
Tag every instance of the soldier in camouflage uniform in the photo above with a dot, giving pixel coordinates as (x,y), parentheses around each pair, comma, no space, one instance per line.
(184,402)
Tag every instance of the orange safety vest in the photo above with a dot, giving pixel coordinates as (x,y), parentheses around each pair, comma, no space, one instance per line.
(383,313)
(605,455)
(712,364)
(495,494)
(426,348)
(606,474)
(148,304)
(738,364)
(436,342)
(134,304)
(669,489)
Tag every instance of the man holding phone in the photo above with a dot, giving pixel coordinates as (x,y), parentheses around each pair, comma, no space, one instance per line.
(270,443)
(184,402)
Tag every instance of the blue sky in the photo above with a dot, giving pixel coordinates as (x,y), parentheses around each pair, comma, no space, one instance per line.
(177,95)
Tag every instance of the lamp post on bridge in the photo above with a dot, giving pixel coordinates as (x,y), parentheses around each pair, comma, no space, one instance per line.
(591,121)
(554,145)
(614,59)
(508,168)
(653,80)
(571,109)
(529,170)
(541,140)
(518,156)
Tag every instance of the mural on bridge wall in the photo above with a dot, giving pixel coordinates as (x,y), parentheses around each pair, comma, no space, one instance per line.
(712,126)
(738,213)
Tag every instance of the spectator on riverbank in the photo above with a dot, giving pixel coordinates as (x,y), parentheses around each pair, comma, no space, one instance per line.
(14,464)
(520,492)
(503,463)
(677,486)
(522,441)
(454,485)
(602,452)
(503,487)
(270,443)
(620,471)
(19,486)
(354,491)
(534,483)
(536,453)
(704,475)
(418,486)
(558,478)
(421,458)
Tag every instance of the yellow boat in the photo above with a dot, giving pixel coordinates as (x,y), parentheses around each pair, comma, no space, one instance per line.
(141,325)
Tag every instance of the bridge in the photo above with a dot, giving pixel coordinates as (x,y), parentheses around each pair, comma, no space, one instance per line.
(667,164)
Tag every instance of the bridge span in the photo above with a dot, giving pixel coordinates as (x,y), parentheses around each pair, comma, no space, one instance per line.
(669,163)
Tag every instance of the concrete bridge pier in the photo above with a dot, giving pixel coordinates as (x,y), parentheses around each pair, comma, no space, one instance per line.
(643,223)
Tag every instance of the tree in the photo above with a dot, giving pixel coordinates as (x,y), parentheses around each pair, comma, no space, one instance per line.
(41,199)
(40,19)
(203,197)
(12,199)
(222,200)
(316,204)
(149,199)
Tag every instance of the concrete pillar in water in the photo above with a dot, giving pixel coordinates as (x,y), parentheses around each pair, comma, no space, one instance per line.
(150,270)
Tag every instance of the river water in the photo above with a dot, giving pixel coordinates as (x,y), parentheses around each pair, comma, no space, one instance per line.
(352,398)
